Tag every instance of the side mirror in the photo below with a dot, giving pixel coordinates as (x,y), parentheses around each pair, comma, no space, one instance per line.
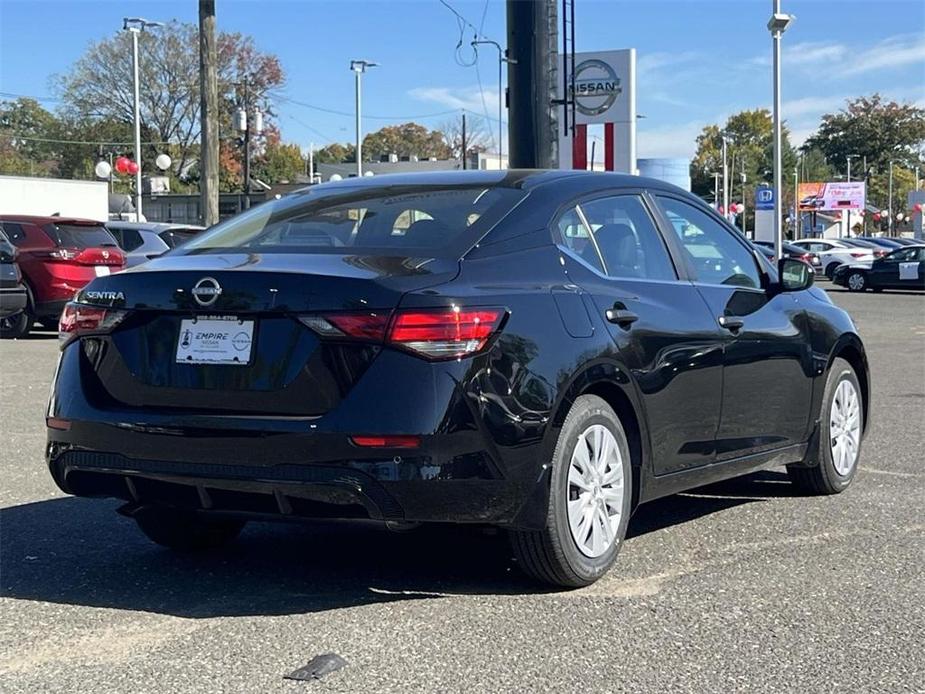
(795,275)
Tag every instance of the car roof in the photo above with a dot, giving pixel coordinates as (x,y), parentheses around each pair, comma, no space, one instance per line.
(156,227)
(525,179)
(38,219)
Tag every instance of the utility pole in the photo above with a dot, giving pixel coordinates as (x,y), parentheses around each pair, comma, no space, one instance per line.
(502,59)
(311,163)
(716,176)
(744,209)
(532,27)
(208,110)
(849,157)
(465,145)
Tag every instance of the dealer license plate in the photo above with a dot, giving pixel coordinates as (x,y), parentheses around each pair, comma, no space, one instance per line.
(215,340)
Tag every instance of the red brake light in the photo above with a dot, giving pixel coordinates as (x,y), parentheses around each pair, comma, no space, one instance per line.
(80,319)
(431,333)
(445,334)
(387,441)
(858,254)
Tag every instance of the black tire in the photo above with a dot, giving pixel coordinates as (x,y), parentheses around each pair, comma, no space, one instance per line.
(551,555)
(856,281)
(16,326)
(185,531)
(822,477)
(829,271)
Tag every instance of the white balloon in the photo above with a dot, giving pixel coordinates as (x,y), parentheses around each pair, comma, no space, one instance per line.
(336,177)
(102,169)
(368,173)
(162,162)
(900,216)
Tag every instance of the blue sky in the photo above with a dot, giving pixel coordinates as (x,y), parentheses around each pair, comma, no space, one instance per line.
(699,60)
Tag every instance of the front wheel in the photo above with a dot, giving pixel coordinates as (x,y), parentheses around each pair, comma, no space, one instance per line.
(589,500)
(186,531)
(857,281)
(841,425)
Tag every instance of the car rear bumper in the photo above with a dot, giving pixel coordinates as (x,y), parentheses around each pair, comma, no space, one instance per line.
(12,300)
(388,489)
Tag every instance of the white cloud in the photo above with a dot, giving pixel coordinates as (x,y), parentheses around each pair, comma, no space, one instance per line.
(849,60)
(463,98)
(669,141)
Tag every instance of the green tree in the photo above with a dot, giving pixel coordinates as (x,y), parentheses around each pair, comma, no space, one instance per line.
(749,150)
(407,139)
(335,153)
(278,162)
(877,131)
(25,130)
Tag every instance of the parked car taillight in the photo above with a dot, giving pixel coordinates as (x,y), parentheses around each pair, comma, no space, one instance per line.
(79,319)
(431,333)
(858,254)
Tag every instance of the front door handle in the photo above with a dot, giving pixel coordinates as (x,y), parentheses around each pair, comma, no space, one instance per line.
(731,323)
(621,316)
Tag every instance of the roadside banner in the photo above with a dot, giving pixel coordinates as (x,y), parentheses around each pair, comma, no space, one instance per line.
(832,196)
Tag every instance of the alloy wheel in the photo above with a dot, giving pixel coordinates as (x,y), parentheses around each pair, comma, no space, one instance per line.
(845,427)
(856,281)
(595,491)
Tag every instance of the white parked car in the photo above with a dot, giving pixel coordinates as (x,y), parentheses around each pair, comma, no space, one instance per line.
(833,253)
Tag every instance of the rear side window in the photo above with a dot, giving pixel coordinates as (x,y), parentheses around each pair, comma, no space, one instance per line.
(444,221)
(14,232)
(79,235)
(175,237)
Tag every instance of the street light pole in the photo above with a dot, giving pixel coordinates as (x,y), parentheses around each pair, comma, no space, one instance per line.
(777,26)
(135,25)
(725,181)
(359,67)
(501,60)
(716,176)
(889,203)
(849,158)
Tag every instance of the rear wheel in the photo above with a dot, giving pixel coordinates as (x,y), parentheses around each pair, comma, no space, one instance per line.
(589,500)
(857,281)
(186,531)
(16,326)
(830,269)
(841,427)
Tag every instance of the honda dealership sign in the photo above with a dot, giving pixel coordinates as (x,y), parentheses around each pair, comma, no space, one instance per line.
(604,92)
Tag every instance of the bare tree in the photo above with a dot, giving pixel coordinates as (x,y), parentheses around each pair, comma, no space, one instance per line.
(477,138)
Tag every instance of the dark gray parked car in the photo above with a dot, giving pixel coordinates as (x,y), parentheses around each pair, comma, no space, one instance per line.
(142,241)
(12,292)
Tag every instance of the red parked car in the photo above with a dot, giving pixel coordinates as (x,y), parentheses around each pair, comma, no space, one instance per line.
(57,256)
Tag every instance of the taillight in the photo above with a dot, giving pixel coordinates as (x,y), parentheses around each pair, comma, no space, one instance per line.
(431,333)
(79,319)
(445,334)
(858,254)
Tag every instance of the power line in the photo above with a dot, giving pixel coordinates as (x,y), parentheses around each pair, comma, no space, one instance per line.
(336,112)
(11,95)
(75,142)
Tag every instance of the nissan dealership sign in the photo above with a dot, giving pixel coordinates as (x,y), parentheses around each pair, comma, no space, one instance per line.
(604,93)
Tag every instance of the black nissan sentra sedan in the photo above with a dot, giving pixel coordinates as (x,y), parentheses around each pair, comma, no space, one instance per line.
(541,351)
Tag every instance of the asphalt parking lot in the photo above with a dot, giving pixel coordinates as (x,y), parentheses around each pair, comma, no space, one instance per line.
(738,586)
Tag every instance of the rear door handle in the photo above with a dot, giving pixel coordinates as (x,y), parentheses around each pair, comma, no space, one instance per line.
(731,323)
(621,316)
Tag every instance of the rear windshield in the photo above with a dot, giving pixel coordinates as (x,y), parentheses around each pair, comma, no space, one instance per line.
(430,220)
(174,237)
(79,236)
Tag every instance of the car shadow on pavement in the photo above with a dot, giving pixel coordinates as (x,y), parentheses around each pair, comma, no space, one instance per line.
(79,551)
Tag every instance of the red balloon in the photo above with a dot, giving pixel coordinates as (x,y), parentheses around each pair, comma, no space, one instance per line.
(917,207)
(876,216)
(133,167)
(122,164)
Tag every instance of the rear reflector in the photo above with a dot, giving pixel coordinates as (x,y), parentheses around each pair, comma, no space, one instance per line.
(80,319)
(431,333)
(58,423)
(387,441)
